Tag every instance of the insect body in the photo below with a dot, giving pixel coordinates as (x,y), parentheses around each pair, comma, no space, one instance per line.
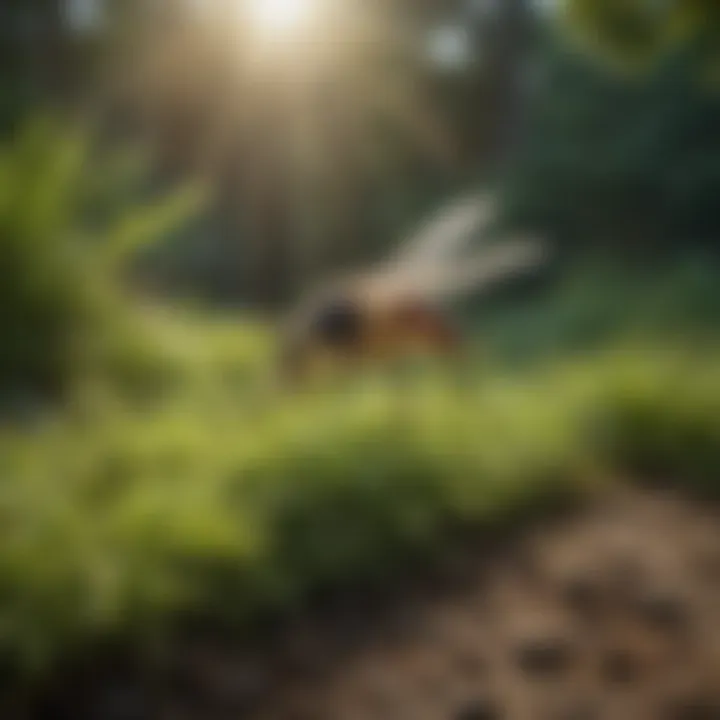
(399,309)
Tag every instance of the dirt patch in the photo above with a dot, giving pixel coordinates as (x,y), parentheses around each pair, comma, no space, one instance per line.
(612,613)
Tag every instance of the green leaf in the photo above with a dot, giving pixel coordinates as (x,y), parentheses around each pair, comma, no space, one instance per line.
(141,227)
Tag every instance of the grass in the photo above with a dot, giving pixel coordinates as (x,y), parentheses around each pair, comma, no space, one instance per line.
(600,302)
(175,482)
(129,512)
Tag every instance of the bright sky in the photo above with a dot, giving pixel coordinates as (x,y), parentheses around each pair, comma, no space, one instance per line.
(279,18)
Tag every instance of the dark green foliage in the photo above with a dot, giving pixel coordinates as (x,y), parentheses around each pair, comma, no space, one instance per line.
(595,302)
(633,34)
(612,162)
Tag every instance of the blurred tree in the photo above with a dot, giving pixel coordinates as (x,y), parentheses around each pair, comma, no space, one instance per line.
(321,149)
(33,57)
(507,38)
(295,131)
(486,85)
(617,160)
(45,57)
(637,32)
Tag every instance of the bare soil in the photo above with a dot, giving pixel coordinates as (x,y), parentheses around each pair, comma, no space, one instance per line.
(612,612)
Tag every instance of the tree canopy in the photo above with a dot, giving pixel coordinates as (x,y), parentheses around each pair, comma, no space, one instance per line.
(637,32)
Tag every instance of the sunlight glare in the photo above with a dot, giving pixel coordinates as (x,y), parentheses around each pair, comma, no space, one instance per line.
(275,18)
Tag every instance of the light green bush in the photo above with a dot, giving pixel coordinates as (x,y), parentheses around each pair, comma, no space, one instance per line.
(68,224)
(120,519)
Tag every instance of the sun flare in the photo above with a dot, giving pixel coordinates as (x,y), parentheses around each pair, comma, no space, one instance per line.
(279,18)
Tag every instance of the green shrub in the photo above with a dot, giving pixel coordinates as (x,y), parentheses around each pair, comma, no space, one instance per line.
(663,422)
(68,223)
(122,519)
(597,303)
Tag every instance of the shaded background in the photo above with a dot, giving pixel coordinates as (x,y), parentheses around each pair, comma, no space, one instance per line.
(173,173)
(321,148)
